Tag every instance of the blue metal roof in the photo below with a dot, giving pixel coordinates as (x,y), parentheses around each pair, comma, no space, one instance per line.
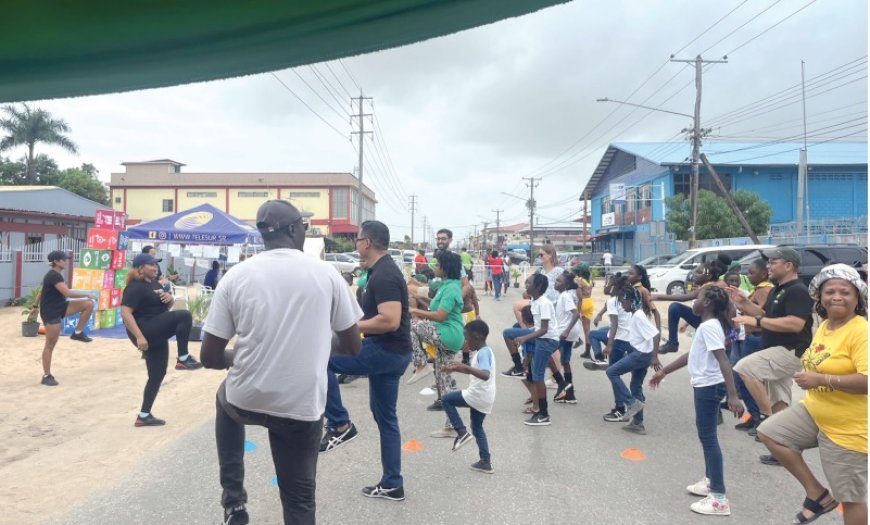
(747,153)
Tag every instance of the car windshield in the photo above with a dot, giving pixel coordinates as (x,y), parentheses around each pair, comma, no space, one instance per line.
(679,258)
(748,258)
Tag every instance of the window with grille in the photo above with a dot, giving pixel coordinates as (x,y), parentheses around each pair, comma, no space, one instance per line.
(167,205)
(253,194)
(201,194)
(304,194)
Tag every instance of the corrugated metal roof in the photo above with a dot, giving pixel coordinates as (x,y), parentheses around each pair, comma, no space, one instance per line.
(47,199)
(749,153)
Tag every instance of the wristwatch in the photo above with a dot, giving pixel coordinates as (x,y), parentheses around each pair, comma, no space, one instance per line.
(758,319)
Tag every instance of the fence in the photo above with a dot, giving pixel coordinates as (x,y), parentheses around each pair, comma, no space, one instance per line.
(22,268)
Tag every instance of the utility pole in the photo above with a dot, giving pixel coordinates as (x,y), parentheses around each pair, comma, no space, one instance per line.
(696,137)
(802,192)
(532,184)
(361,133)
(497,226)
(483,233)
(412,203)
(425,238)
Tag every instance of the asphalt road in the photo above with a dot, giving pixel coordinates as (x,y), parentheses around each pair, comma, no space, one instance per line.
(569,472)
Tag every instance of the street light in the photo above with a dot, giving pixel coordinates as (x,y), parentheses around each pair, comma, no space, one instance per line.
(605,99)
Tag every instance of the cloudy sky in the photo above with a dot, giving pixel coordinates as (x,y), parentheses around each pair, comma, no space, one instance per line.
(463,118)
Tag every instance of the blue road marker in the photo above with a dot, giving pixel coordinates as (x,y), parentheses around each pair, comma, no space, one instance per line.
(250,446)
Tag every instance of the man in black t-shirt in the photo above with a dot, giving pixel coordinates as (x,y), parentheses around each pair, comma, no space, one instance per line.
(786,331)
(384,357)
(53,307)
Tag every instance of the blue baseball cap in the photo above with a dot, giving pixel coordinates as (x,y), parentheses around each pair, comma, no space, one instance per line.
(144,258)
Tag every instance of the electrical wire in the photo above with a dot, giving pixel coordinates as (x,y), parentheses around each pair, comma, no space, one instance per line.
(741,26)
(327,85)
(349,74)
(288,88)
(317,93)
(340,83)
(798,148)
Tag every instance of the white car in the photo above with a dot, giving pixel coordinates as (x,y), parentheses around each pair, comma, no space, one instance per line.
(670,278)
(343,263)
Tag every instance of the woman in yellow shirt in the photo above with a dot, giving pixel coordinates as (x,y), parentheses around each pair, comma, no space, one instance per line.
(833,415)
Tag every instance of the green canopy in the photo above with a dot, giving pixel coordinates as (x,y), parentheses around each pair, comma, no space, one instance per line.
(63,48)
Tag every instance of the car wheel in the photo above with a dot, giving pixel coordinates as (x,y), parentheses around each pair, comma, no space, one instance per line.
(676,288)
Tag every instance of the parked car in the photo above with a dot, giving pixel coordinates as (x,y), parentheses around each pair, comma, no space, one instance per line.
(655,260)
(816,256)
(408,255)
(343,263)
(352,255)
(670,278)
(595,259)
(518,256)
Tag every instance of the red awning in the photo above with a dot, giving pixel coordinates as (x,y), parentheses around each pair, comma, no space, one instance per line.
(343,228)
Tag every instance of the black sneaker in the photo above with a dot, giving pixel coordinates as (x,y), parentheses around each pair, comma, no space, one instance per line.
(461,440)
(332,438)
(569,397)
(669,347)
(537,420)
(49,380)
(768,459)
(482,466)
(188,364)
(436,406)
(149,421)
(83,337)
(586,355)
(560,391)
(394,494)
(236,515)
(595,365)
(616,416)
(514,372)
(747,425)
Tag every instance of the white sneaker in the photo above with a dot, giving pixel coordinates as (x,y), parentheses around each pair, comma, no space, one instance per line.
(419,374)
(443,433)
(551,384)
(701,488)
(712,506)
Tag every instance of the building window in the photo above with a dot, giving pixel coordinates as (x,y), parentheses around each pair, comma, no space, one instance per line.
(631,199)
(174,168)
(682,183)
(167,205)
(117,200)
(339,203)
(201,194)
(254,194)
(606,206)
(35,238)
(304,194)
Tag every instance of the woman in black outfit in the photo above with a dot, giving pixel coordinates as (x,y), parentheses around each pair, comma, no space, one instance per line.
(145,311)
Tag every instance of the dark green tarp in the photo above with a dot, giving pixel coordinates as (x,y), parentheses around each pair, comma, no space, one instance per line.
(62,48)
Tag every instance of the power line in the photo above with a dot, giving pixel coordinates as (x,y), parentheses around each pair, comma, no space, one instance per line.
(741,26)
(337,112)
(349,74)
(771,27)
(340,83)
(327,85)
(798,148)
(316,114)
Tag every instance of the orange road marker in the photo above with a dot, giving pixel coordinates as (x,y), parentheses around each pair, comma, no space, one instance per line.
(633,454)
(412,445)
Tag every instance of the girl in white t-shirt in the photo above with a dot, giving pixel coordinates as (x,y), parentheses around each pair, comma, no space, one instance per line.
(569,332)
(711,378)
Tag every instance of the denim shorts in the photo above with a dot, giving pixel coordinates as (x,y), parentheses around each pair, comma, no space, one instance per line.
(565,349)
(544,349)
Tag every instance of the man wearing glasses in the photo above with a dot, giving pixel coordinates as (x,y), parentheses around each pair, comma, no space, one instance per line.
(385,354)
(283,307)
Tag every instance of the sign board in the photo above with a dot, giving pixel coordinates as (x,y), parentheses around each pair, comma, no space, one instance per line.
(102,239)
(617,192)
(110,220)
(608,219)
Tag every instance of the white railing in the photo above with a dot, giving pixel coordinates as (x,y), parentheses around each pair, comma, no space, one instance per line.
(39,251)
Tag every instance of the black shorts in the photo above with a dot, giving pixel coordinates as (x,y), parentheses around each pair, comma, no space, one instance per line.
(52,317)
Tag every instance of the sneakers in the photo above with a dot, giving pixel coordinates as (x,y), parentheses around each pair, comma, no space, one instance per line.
(189,364)
(148,421)
(332,438)
(712,506)
(83,337)
(418,375)
(394,494)
(636,428)
(769,459)
(482,466)
(537,420)
(701,488)
(747,425)
(560,390)
(516,373)
(669,347)
(461,440)
(237,515)
(633,408)
(595,365)
(436,406)
(443,433)
(551,384)
(49,380)
(616,416)
(586,355)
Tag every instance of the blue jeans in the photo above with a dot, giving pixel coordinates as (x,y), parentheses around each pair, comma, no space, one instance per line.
(565,349)
(454,400)
(544,349)
(677,311)
(384,369)
(517,331)
(751,345)
(637,363)
(707,399)
(620,348)
(597,338)
(497,284)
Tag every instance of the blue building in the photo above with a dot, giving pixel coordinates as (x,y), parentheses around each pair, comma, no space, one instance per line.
(651,172)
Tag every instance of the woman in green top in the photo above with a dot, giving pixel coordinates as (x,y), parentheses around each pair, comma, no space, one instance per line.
(441,326)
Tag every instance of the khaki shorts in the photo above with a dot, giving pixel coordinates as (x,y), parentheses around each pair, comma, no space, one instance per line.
(775,366)
(845,469)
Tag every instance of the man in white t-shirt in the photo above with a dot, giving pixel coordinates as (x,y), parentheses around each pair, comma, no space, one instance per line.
(283,307)
(608,261)
(644,340)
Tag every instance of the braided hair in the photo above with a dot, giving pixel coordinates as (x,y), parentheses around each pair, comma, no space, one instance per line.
(630,293)
(644,276)
(719,299)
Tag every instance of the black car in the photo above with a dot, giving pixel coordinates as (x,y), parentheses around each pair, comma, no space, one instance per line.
(814,257)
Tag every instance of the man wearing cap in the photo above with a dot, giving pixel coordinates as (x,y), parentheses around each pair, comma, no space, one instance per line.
(786,332)
(384,357)
(283,307)
(53,307)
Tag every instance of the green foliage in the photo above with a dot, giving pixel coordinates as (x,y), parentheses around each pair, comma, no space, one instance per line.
(29,302)
(343,245)
(198,308)
(26,126)
(81,181)
(715,218)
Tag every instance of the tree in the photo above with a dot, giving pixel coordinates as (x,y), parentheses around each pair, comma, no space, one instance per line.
(45,170)
(715,218)
(83,181)
(26,127)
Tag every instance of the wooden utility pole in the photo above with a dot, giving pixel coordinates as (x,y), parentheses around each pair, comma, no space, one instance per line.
(729,199)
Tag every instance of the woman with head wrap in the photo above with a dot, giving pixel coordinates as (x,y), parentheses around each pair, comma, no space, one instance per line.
(833,415)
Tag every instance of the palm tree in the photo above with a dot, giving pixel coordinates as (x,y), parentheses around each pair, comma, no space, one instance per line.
(26,126)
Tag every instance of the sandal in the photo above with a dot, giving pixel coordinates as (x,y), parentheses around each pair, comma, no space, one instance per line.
(529,410)
(815,506)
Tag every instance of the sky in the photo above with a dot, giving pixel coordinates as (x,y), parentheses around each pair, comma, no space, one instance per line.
(461,119)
